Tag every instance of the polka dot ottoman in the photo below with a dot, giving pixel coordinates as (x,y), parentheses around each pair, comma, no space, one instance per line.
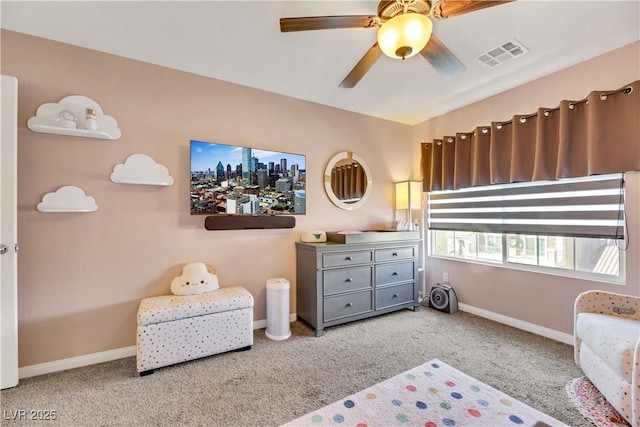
(174,329)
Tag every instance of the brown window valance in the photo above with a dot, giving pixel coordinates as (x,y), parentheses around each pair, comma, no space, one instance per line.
(596,135)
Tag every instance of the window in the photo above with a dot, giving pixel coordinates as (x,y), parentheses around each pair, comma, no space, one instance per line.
(569,227)
(470,245)
(586,257)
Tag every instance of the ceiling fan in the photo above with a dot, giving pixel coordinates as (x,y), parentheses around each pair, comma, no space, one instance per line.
(405,30)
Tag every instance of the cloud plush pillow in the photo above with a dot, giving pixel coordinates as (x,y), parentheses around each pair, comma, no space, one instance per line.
(197,278)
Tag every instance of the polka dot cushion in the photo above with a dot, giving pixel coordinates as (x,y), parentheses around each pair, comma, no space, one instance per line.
(611,338)
(607,348)
(173,307)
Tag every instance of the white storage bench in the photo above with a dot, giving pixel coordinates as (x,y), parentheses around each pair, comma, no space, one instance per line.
(174,329)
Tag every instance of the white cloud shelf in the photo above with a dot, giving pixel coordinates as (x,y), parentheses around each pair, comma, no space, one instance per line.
(67,199)
(48,120)
(141,169)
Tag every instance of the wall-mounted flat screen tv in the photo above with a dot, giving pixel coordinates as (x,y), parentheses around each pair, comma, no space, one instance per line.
(234,180)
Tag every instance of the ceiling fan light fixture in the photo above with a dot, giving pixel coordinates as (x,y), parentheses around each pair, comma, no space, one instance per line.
(404,35)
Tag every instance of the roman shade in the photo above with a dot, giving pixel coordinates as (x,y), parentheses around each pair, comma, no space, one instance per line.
(579,207)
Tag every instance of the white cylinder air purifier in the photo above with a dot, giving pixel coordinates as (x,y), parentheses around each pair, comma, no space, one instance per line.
(278,309)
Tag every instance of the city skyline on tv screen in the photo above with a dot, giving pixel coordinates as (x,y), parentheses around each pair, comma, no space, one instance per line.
(233,180)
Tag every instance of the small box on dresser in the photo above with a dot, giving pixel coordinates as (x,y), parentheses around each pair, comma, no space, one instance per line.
(343,282)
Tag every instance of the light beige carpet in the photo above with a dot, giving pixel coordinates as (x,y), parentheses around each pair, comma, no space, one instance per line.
(278,381)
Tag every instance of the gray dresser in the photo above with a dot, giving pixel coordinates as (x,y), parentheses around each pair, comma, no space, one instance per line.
(342,282)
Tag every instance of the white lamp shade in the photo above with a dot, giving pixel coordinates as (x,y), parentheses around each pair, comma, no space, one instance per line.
(404,35)
(415,195)
(409,195)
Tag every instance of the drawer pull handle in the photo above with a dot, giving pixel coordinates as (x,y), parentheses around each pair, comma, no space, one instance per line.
(349,258)
(395,273)
(395,254)
(349,304)
(349,280)
(396,295)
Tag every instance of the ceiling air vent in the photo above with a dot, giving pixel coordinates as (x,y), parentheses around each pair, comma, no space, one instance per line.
(503,53)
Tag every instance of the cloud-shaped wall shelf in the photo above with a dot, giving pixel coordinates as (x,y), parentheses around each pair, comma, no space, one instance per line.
(141,169)
(50,118)
(68,199)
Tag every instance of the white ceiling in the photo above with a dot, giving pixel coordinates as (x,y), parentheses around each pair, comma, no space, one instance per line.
(241,42)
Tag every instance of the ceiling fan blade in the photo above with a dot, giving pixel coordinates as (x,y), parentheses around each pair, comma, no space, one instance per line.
(441,58)
(448,8)
(327,22)
(362,67)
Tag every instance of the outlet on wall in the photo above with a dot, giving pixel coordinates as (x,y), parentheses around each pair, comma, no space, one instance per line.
(445,277)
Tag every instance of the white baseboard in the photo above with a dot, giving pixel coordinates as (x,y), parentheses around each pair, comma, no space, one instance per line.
(76,362)
(101,357)
(517,323)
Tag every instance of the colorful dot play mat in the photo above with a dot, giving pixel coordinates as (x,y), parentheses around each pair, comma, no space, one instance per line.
(430,395)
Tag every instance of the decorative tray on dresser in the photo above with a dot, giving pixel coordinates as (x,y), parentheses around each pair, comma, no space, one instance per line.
(356,277)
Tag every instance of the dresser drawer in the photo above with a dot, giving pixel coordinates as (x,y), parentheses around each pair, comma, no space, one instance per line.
(346,258)
(395,253)
(347,279)
(394,273)
(394,295)
(339,306)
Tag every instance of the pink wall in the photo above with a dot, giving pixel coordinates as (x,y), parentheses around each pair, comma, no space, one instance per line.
(82,275)
(542,299)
